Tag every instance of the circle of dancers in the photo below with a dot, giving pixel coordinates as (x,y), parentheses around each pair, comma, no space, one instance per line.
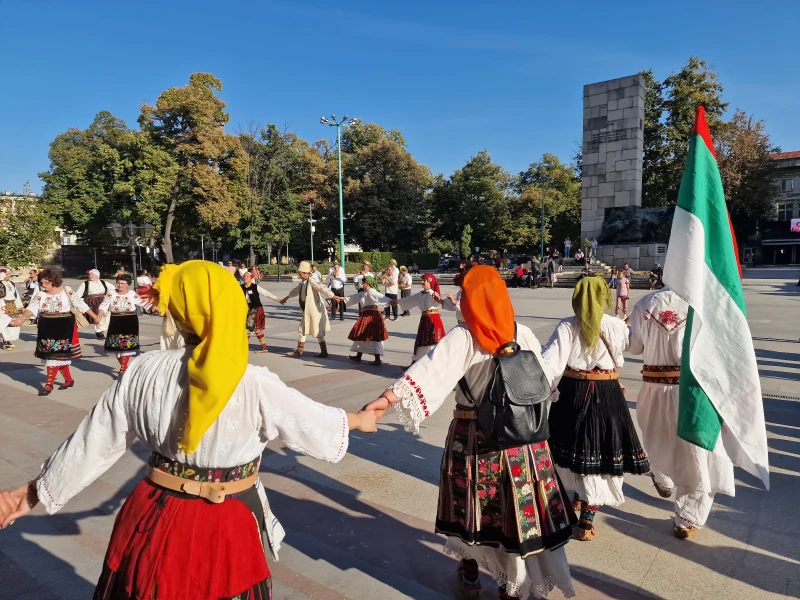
(509,510)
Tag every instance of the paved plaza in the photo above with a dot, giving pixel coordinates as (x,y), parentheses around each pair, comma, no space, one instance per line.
(363,528)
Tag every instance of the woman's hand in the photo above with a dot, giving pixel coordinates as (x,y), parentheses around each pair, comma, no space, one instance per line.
(364,421)
(16,322)
(17,503)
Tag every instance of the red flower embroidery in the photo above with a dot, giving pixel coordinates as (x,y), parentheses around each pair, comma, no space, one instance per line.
(492,492)
(481,493)
(516,470)
(513,451)
(483,465)
(495,467)
(486,519)
(529,511)
(542,445)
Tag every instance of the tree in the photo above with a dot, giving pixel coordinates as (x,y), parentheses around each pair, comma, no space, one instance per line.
(474,195)
(466,241)
(743,151)
(209,186)
(27,232)
(655,146)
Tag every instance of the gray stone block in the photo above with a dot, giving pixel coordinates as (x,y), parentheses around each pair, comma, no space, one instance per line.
(624,103)
(632,112)
(590,159)
(605,202)
(615,115)
(612,104)
(604,110)
(620,252)
(623,165)
(631,143)
(591,192)
(596,88)
(630,174)
(622,199)
(631,123)
(631,92)
(633,252)
(598,99)
(628,184)
(633,153)
(616,94)
(613,176)
(602,154)
(615,146)
(606,189)
(614,84)
(585,101)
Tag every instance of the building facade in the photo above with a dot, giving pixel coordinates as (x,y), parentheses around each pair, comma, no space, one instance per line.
(780,239)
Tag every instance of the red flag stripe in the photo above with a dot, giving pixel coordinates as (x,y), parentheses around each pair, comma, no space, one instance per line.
(701,129)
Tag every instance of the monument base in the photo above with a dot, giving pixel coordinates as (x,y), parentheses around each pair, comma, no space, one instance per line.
(641,257)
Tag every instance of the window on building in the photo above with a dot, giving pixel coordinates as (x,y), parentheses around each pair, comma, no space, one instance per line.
(787,185)
(785,211)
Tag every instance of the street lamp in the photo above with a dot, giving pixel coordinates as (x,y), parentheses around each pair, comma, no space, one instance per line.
(128,235)
(338,125)
(214,247)
(311,222)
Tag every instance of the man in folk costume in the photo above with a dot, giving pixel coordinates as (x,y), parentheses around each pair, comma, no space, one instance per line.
(369,332)
(592,435)
(193,528)
(13,306)
(314,321)
(502,510)
(720,408)
(691,473)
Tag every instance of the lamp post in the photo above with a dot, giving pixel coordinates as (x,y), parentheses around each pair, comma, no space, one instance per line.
(311,222)
(128,235)
(542,240)
(214,247)
(338,125)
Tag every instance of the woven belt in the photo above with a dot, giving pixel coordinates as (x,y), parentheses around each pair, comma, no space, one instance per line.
(211,491)
(591,375)
(464,414)
(462,321)
(433,311)
(660,374)
(127,313)
(667,375)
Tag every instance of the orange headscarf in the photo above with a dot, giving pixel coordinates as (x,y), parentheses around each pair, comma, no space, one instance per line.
(487,308)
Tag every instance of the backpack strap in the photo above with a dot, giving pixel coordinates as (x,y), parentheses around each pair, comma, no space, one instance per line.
(462,385)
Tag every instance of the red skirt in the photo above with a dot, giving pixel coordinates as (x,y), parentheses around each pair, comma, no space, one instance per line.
(430,331)
(169,547)
(369,327)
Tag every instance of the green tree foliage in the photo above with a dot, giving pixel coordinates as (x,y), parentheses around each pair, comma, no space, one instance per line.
(743,151)
(209,185)
(476,195)
(27,232)
(466,241)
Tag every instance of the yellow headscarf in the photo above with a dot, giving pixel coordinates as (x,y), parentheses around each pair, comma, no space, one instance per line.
(205,300)
(589,301)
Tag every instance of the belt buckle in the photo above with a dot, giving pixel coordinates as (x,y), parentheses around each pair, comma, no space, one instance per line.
(211,491)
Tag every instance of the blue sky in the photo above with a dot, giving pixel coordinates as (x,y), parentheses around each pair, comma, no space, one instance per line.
(454,76)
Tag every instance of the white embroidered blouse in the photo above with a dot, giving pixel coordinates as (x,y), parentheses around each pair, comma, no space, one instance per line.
(424,300)
(56,303)
(114,302)
(149,403)
(658,324)
(423,388)
(456,306)
(368,298)
(11,293)
(568,348)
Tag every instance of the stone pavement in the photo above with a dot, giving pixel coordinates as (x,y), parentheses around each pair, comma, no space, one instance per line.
(363,528)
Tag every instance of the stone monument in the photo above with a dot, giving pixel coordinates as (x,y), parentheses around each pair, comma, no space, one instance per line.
(613,152)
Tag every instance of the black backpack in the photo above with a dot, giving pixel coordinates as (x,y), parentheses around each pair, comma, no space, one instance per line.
(513,410)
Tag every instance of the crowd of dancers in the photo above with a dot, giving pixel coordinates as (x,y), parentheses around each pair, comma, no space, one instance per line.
(506,510)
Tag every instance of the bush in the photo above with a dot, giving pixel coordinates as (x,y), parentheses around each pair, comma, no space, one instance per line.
(351,268)
(380,260)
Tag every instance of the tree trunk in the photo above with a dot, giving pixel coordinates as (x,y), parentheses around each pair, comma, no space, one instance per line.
(168,228)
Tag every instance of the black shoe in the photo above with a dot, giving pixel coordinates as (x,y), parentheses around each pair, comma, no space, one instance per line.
(341,317)
(376,363)
(356,359)
(68,384)
(100,336)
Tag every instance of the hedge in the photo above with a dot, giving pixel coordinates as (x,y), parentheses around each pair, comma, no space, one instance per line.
(351,268)
(380,260)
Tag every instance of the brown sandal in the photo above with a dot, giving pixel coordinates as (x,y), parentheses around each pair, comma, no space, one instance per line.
(584,535)
(662,491)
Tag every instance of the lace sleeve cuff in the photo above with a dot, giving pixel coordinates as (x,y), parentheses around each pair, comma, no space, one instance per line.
(412,408)
(46,498)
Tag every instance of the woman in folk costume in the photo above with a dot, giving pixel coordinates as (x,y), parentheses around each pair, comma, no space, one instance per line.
(691,473)
(430,331)
(592,436)
(93,291)
(57,342)
(314,321)
(123,328)
(369,332)
(503,510)
(256,321)
(192,529)
(12,302)
(453,303)
(143,284)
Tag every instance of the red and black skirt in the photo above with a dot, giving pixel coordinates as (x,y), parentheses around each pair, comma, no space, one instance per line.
(369,327)
(430,331)
(509,498)
(94,301)
(57,337)
(256,319)
(169,546)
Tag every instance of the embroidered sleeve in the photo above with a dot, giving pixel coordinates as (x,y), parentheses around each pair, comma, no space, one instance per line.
(77,301)
(35,305)
(106,303)
(424,387)
(409,302)
(98,442)
(303,425)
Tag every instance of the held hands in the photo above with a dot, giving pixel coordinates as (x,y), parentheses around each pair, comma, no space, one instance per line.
(16,503)
(16,322)
(381,404)
(364,421)
(451,298)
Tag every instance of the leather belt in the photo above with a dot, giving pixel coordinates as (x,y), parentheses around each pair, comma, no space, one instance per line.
(464,414)
(211,491)
(433,311)
(591,375)
(661,374)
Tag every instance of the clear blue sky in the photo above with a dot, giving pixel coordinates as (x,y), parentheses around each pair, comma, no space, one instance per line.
(454,76)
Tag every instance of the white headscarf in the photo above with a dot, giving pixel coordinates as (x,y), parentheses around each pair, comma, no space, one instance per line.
(94,272)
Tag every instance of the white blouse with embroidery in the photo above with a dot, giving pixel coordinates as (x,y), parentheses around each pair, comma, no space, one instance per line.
(115,302)
(456,306)
(568,348)
(658,324)
(368,298)
(423,300)
(149,403)
(424,387)
(56,303)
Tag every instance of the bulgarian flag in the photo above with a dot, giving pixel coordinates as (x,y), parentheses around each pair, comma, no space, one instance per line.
(720,391)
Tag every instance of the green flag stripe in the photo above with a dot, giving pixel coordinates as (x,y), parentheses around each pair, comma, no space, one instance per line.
(701,194)
(699,422)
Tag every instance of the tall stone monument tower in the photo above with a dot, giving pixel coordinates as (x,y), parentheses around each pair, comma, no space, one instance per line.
(613,149)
